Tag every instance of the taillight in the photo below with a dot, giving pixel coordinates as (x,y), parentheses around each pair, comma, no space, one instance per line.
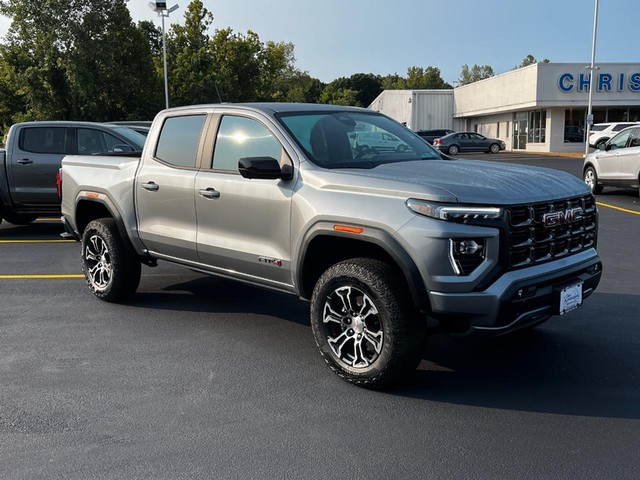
(59,183)
(437,141)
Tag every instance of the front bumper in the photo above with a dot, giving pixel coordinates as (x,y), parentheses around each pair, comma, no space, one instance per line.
(517,299)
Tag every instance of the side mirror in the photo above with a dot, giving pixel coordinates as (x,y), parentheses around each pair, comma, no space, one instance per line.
(122,148)
(265,168)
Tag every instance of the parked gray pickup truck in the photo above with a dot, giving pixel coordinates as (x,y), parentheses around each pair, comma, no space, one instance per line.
(388,246)
(34,150)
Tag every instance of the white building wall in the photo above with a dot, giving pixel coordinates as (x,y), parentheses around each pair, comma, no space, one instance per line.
(396,104)
(432,109)
(515,90)
(417,109)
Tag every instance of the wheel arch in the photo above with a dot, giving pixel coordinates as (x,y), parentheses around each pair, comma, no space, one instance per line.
(323,247)
(587,165)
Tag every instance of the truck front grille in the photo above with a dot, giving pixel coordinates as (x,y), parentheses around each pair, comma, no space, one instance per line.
(532,242)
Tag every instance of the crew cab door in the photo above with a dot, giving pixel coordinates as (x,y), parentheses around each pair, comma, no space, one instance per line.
(164,188)
(244,224)
(34,159)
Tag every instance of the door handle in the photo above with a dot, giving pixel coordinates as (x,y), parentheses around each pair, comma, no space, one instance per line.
(151,186)
(25,161)
(209,193)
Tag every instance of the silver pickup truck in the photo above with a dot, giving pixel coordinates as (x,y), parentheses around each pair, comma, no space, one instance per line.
(387,245)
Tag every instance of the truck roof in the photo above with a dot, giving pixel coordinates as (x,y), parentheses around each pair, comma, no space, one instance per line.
(275,107)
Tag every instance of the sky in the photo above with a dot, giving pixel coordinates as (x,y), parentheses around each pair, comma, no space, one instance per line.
(338,38)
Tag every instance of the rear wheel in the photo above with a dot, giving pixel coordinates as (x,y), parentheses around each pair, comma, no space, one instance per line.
(111,270)
(591,178)
(453,150)
(364,323)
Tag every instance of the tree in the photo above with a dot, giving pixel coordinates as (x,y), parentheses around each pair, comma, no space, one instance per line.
(357,90)
(417,78)
(477,72)
(530,60)
(65,59)
(190,63)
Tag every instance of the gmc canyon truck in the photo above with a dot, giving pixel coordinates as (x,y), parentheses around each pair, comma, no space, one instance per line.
(34,150)
(388,246)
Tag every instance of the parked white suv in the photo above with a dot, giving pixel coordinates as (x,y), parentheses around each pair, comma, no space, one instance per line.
(601,132)
(616,163)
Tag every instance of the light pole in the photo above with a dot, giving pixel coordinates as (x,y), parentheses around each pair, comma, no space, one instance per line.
(592,68)
(161,9)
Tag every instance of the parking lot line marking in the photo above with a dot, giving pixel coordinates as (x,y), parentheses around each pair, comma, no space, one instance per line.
(38,276)
(37,241)
(635,212)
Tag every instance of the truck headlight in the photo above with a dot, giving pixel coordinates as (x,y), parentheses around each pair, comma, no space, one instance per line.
(452,212)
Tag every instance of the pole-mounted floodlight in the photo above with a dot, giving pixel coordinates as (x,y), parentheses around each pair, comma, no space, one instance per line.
(161,9)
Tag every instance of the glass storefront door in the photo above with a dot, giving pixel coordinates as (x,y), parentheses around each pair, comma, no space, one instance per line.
(520,123)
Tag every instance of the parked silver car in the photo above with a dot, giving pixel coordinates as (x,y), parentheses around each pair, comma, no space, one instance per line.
(468,142)
(615,163)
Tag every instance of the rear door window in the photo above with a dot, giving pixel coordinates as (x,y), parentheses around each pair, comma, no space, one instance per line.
(43,140)
(179,140)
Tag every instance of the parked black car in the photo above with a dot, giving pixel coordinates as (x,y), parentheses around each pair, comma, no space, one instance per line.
(468,142)
(430,135)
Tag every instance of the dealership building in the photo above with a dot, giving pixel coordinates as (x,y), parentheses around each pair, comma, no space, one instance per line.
(539,108)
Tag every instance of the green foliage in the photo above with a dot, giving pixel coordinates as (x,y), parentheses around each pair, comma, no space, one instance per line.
(190,64)
(357,90)
(417,78)
(530,60)
(69,59)
(475,73)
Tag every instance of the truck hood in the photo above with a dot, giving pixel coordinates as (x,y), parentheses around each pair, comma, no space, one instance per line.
(471,181)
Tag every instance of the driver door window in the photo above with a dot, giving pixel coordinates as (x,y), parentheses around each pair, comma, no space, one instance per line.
(95,141)
(241,137)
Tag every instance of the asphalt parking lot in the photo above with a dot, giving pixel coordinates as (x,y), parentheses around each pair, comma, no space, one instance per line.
(203,378)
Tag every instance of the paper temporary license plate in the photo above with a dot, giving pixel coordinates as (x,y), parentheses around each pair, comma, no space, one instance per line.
(570,298)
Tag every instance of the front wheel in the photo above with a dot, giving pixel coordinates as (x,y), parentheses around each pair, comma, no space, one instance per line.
(364,323)
(591,179)
(453,150)
(111,270)
(494,148)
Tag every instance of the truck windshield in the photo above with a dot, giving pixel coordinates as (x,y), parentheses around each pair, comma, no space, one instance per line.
(351,139)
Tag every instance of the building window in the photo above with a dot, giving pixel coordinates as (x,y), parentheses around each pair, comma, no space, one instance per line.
(537,126)
(574,122)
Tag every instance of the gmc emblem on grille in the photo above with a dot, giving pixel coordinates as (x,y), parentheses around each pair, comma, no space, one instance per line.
(555,219)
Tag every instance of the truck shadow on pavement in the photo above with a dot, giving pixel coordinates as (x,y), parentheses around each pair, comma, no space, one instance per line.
(585,363)
(210,294)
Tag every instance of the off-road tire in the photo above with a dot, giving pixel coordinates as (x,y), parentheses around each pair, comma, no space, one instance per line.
(111,269)
(402,330)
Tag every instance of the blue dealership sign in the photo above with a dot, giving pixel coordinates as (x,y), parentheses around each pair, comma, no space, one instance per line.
(605,82)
